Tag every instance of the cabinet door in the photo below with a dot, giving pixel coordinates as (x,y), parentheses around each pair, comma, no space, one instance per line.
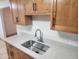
(66,16)
(24,19)
(10,51)
(14,8)
(21,12)
(23,55)
(74,16)
(43,7)
(28,5)
(14,53)
(60,18)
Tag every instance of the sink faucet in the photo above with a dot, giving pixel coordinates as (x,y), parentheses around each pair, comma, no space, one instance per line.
(40,39)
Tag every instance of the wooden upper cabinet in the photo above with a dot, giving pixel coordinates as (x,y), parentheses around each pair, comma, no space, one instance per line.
(65,15)
(37,7)
(18,10)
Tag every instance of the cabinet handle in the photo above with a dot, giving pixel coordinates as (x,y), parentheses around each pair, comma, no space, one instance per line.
(17,19)
(54,12)
(11,53)
(34,7)
(54,21)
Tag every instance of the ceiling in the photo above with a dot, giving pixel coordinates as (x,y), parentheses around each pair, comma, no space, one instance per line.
(4,3)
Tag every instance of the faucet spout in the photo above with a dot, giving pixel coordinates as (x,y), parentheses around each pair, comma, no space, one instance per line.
(41,35)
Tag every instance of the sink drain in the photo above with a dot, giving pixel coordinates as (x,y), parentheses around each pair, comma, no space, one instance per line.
(36,51)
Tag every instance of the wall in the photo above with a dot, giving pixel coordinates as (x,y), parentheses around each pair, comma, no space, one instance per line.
(1,29)
(4,3)
(1,25)
(43,23)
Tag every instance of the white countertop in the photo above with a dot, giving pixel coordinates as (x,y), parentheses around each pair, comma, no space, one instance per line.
(57,50)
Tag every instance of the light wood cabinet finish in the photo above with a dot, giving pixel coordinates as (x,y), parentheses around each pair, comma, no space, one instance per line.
(28,5)
(14,53)
(21,9)
(14,8)
(18,12)
(37,7)
(43,7)
(65,15)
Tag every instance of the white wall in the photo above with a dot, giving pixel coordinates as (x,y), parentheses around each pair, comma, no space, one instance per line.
(4,3)
(43,23)
(1,26)
(1,29)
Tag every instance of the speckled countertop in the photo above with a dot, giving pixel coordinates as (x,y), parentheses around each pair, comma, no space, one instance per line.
(57,49)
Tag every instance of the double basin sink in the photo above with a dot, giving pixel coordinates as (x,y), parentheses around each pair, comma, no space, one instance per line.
(35,46)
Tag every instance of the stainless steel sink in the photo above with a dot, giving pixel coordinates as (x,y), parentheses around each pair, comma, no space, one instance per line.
(37,47)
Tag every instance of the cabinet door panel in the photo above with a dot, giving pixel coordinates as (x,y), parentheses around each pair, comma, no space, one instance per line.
(60,13)
(68,12)
(15,53)
(20,55)
(24,56)
(14,8)
(21,12)
(75,13)
(43,6)
(28,5)
(10,51)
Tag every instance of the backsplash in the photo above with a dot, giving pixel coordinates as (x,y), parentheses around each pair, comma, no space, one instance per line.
(39,22)
(43,23)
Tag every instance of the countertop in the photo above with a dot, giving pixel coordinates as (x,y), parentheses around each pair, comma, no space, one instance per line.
(57,50)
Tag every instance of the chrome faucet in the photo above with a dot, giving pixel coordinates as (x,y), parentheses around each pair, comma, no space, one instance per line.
(40,39)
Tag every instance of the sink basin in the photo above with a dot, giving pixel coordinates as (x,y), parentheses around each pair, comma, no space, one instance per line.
(37,47)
